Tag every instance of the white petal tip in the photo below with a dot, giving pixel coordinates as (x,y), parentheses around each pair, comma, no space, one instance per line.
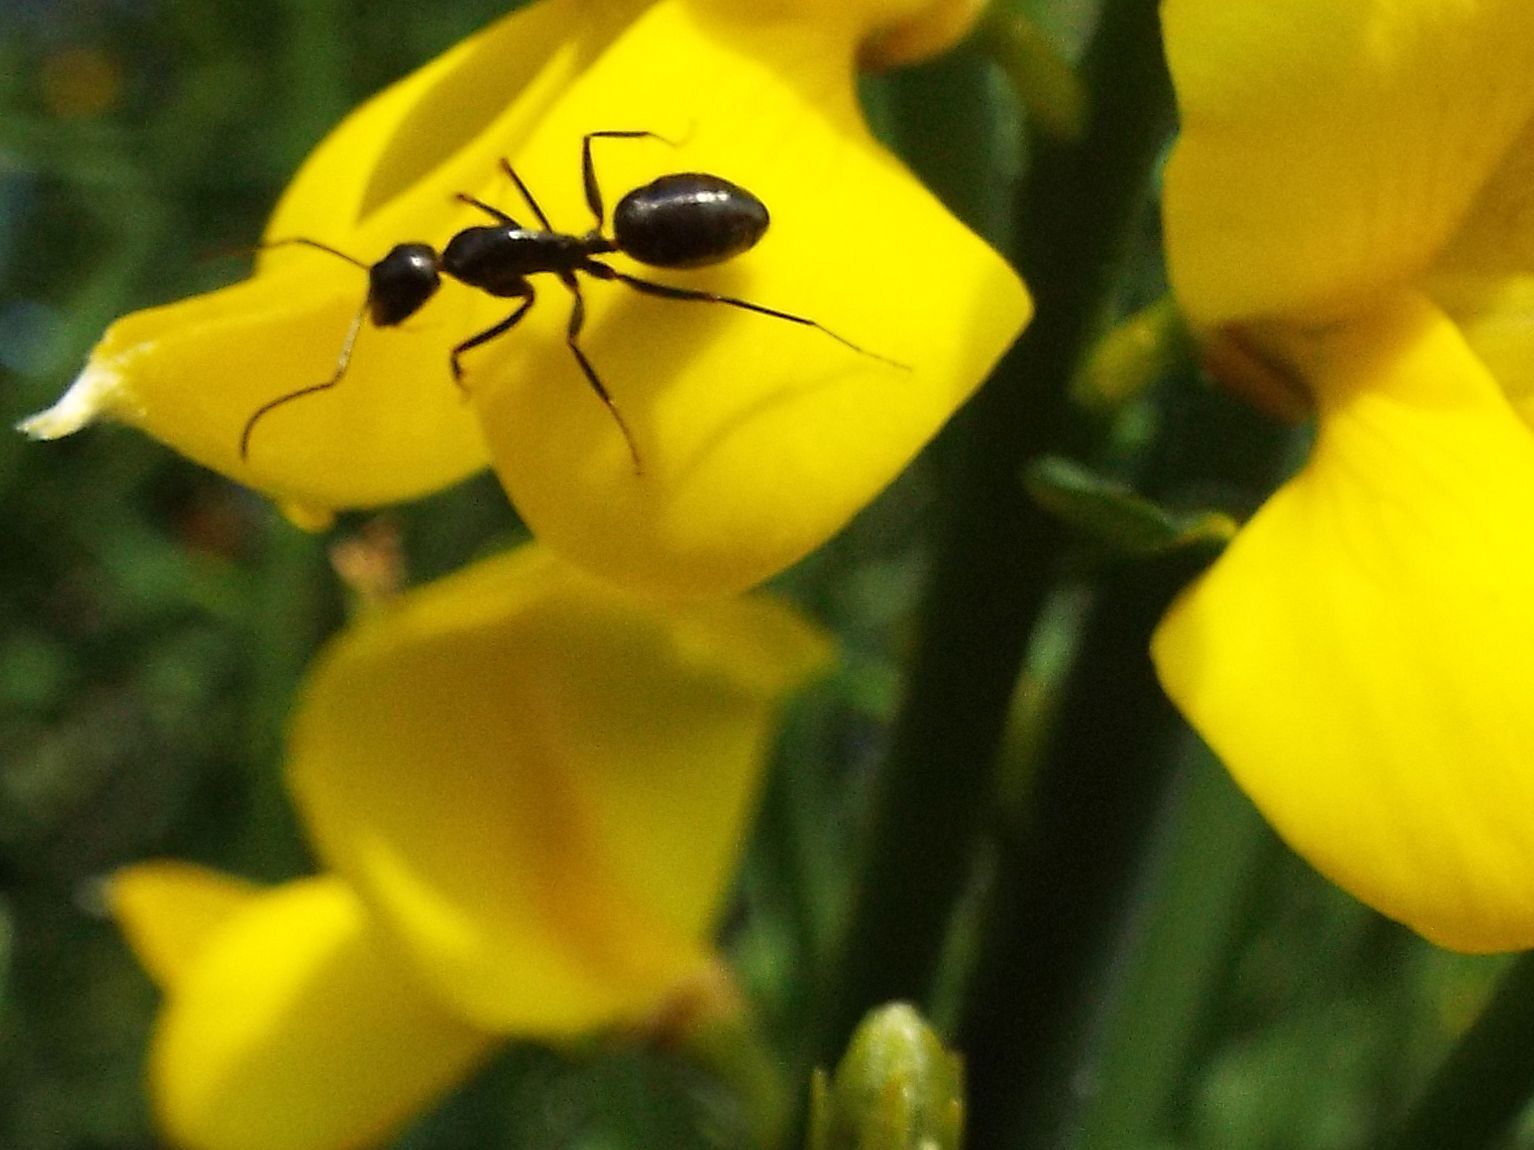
(87,399)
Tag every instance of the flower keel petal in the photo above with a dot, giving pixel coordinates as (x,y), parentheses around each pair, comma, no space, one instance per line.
(297,1029)
(758,438)
(1360,656)
(168,910)
(540,784)
(1335,147)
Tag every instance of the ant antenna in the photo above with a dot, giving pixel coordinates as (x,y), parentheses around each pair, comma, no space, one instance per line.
(341,363)
(346,347)
(305,241)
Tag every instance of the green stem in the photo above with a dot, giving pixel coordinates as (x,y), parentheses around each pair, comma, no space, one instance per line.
(1189,916)
(1486,1081)
(1063,909)
(1090,927)
(995,561)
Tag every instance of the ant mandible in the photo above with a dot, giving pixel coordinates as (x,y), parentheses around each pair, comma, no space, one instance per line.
(682,220)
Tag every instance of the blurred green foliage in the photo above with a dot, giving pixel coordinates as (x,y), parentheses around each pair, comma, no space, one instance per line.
(154,621)
(153,617)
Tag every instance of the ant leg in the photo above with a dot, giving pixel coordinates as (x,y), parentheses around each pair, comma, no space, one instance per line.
(666,291)
(589,171)
(577,320)
(305,241)
(342,361)
(487,335)
(526,194)
(495,214)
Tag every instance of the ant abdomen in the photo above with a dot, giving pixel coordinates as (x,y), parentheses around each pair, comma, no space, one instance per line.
(687,220)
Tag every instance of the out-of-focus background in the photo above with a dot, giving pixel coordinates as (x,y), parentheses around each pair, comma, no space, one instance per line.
(155,619)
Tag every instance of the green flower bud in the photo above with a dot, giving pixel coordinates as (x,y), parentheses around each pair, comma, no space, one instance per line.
(897,1088)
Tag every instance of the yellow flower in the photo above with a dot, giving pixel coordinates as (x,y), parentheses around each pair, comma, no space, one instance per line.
(289,1023)
(541,781)
(757,438)
(531,789)
(1352,190)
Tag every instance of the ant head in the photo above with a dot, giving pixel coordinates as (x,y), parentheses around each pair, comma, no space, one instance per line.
(688,220)
(401,282)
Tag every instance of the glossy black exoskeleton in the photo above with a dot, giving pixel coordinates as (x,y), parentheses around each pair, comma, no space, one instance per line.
(682,220)
(688,220)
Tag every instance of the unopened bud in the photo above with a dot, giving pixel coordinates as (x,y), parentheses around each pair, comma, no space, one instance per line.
(1144,348)
(897,1088)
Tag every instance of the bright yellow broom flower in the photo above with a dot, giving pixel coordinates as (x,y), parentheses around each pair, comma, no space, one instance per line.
(289,1022)
(531,790)
(1353,192)
(756,438)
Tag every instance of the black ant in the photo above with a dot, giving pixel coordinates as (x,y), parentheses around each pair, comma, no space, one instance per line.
(682,220)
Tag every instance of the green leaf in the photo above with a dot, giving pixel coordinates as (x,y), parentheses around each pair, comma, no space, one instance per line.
(1112,514)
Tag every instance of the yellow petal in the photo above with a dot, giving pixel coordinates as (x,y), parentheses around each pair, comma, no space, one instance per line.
(390,170)
(863,17)
(891,32)
(1329,149)
(1496,238)
(167,910)
(758,438)
(192,374)
(1495,315)
(297,1029)
(419,123)
(541,784)
(1360,656)
(916,36)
